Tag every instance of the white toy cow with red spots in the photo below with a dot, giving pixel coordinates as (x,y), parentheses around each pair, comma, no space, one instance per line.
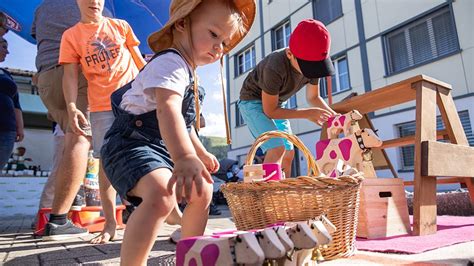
(342,124)
(348,149)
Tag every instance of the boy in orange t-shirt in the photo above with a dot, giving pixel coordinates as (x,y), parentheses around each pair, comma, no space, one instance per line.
(106,50)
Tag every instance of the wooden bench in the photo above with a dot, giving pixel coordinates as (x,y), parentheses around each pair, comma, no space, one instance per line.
(433,159)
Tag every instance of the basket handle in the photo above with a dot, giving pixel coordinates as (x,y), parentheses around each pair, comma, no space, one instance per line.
(313,169)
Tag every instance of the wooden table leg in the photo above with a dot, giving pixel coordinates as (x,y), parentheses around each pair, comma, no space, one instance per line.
(424,202)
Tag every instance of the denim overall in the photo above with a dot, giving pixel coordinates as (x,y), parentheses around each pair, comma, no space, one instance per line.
(133,146)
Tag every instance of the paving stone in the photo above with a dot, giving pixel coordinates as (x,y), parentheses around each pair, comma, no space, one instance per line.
(109,248)
(22,261)
(104,258)
(60,262)
(71,253)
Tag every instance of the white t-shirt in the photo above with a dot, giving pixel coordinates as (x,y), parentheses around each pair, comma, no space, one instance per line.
(168,71)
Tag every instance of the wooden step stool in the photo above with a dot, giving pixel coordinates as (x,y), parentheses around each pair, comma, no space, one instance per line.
(383,209)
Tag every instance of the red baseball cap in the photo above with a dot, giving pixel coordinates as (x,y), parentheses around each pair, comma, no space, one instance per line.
(310,43)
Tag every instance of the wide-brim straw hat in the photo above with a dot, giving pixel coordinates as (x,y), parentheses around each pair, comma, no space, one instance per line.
(179,9)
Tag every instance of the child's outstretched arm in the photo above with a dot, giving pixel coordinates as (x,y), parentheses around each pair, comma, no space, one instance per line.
(314,99)
(188,168)
(207,158)
(76,117)
(273,110)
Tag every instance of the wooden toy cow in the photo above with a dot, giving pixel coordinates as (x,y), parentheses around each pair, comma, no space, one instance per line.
(348,149)
(304,242)
(241,248)
(342,124)
(267,239)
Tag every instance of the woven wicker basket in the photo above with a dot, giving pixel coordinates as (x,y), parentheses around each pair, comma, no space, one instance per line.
(256,205)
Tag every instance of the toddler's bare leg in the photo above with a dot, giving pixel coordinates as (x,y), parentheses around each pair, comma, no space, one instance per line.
(196,212)
(147,219)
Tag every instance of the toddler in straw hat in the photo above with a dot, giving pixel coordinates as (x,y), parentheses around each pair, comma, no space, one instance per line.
(152,154)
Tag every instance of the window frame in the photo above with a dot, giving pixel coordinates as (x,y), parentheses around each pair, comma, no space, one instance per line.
(330,19)
(405,29)
(253,60)
(286,40)
(402,151)
(239,120)
(322,81)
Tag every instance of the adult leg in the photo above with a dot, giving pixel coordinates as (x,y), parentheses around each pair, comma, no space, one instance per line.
(46,199)
(147,219)
(72,169)
(72,166)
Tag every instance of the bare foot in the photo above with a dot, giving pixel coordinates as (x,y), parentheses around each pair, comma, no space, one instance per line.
(105,236)
(175,217)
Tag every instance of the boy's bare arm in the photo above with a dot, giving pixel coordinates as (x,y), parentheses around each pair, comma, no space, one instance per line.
(137,56)
(70,80)
(188,168)
(314,99)
(273,110)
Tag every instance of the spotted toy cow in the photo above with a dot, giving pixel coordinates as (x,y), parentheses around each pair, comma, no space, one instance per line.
(220,250)
(342,124)
(348,149)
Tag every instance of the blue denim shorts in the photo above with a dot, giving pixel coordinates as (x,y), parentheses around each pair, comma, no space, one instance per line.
(131,150)
(258,123)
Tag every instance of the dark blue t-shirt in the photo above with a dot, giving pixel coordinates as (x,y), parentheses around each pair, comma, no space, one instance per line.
(8,101)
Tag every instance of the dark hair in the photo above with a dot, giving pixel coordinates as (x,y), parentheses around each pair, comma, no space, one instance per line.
(3,19)
(3,40)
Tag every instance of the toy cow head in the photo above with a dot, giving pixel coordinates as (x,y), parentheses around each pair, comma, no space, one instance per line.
(366,138)
(302,236)
(247,249)
(284,238)
(321,233)
(342,123)
(270,243)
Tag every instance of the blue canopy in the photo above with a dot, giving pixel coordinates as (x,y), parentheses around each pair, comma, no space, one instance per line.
(145,16)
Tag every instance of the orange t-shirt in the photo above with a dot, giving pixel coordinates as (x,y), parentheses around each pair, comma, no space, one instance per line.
(101,50)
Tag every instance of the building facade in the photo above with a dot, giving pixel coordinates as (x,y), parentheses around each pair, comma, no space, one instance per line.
(374,43)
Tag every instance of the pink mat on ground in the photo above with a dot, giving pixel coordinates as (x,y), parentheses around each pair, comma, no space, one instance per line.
(451,230)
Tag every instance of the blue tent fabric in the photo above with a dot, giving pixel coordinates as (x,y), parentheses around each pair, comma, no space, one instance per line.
(144,16)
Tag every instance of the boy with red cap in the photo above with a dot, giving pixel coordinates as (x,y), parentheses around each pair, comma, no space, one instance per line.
(281,75)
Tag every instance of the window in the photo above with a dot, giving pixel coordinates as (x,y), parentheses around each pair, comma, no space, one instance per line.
(327,10)
(291,103)
(407,129)
(281,36)
(340,79)
(245,60)
(239,120)
(423,40)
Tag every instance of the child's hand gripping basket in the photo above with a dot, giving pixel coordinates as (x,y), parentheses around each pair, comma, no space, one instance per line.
(258,204)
